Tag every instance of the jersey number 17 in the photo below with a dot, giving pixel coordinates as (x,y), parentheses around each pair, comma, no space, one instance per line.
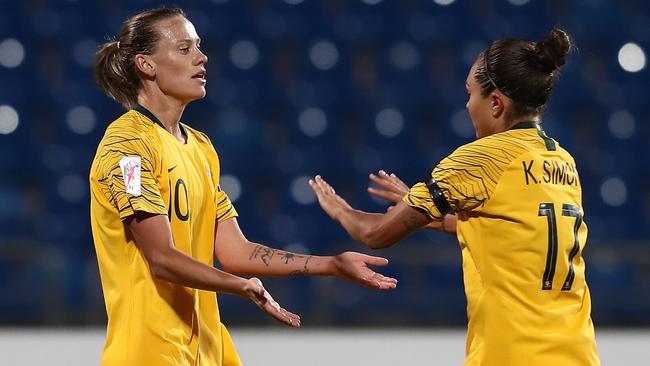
(548,209)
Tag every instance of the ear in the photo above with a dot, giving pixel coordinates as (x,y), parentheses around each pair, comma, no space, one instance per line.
(497,104)
(145,65)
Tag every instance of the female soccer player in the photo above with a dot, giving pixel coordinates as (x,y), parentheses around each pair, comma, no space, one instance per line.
(518,205)
(158,215)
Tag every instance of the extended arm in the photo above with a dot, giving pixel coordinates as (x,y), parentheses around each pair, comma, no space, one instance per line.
(373,230)
(240,256)
(153,237)
(393,189)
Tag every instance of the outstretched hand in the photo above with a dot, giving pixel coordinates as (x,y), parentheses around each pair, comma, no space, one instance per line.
(329,201)
(353,267)
(391,189)
(255,291)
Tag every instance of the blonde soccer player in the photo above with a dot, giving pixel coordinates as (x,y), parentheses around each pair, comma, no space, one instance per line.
(159,217)
(513,197)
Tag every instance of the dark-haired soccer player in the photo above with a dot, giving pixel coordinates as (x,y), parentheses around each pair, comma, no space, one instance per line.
(517,201)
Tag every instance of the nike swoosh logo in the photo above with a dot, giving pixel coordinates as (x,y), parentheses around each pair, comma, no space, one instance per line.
(172,168)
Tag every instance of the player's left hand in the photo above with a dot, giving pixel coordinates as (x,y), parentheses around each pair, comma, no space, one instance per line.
(331,202)
(353,267)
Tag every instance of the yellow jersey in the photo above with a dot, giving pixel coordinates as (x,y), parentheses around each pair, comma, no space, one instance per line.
(140,166)
(518,200)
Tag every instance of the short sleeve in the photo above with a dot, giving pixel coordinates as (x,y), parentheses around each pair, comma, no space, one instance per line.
(462,182)
(420,198)
(127,168)
(225,208)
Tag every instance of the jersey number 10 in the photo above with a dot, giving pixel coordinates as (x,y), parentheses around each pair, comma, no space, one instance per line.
(548,210)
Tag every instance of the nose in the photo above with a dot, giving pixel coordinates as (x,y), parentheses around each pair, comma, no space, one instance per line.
(202,58)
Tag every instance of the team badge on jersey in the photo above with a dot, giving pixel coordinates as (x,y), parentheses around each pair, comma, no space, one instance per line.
(131,172)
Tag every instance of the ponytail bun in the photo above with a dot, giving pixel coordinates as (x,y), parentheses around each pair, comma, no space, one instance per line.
(113,75)
(551,52)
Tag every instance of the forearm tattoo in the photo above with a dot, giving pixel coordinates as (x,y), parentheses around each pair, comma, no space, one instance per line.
(415,220)
(265,254)
(304,270)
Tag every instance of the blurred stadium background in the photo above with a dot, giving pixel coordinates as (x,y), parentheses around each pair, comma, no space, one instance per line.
(338,88)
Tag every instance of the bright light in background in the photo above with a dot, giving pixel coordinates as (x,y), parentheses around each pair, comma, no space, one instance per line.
(301,191)
(462,124)
(324,55)
(613,192)
(230,184)
(518,2)
(244,54)
(621,124)
(12,53)
(389,122)
(81,120)
(443,2)
(8,119)
(72,187)
(631,57)
(312,122)
(404,55)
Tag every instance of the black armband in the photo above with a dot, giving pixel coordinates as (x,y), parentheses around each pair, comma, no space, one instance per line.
(438,197)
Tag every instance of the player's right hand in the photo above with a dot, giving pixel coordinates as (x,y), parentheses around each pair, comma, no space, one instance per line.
(255,291)
(391,188)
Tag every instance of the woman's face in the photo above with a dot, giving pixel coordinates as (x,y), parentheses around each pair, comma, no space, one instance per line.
(478,106)
(179,63)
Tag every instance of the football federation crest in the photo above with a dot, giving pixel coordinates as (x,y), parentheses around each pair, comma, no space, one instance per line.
(131,172)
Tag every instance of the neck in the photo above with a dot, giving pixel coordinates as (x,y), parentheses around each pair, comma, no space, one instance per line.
(167,110)
(515,121)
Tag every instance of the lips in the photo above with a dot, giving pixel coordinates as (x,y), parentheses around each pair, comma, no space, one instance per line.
(199,75)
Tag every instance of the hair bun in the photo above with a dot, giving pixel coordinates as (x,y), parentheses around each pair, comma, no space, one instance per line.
(551,52)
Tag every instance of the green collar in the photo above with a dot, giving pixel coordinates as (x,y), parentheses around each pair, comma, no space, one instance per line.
(526,124)
(147,113)
(550,144)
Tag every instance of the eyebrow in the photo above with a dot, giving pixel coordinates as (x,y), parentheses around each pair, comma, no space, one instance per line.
(198,40)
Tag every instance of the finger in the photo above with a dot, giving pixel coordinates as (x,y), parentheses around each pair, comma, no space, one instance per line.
(389,196)
(317,187)
(374,261)
(324,186)
(382,282)
(284,316)
(385,279)
(381,181)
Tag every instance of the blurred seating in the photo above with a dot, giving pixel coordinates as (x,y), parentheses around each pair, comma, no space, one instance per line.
(298,88)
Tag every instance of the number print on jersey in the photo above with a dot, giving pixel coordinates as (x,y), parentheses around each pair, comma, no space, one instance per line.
(176,199)
(548,209)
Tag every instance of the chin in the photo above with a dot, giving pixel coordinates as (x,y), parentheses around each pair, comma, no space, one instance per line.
(196,96)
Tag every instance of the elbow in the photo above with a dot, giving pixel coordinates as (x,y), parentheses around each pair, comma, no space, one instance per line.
(159,265)
(375,238)
(231,267)
(230,264)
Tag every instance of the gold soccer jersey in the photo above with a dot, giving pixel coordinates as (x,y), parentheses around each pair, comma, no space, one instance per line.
(139,166)
(518,200)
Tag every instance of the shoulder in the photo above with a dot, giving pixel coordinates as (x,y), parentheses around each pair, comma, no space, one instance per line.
(200,137)
(130,126)
(500,148)
(129,135)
